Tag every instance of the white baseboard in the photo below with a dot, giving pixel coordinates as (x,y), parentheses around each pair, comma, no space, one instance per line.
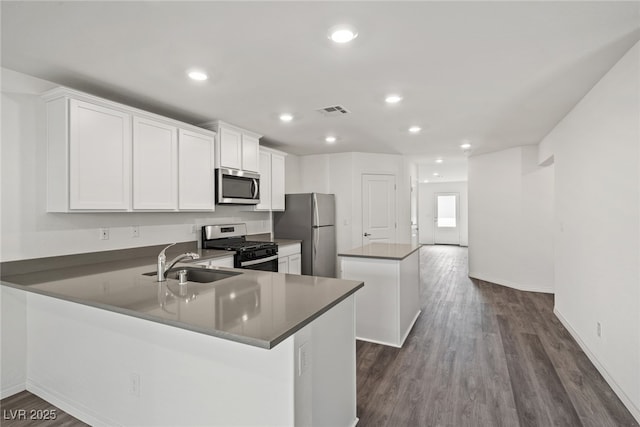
(355,422)
(514,285)
(11,390)
(628,403)
(72,408)
(378,342)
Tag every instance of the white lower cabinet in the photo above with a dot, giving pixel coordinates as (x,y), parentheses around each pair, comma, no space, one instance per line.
(289,259)
(217,262)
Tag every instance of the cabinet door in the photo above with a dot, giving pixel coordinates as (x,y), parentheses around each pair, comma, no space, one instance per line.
(230,148)
(283,264)
(99,157)
(195,171)
(277,182)
(250,150)
(295,265)
(265,182)
(155,165)
(222,262)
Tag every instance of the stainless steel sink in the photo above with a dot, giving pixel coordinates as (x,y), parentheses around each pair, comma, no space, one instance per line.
(196,274)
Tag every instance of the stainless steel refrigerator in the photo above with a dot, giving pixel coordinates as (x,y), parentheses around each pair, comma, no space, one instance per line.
(310,217)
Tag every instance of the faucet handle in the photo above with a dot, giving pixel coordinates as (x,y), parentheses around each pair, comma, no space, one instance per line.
(162,251)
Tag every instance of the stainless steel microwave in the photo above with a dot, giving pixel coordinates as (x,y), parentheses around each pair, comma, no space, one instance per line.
(237,187)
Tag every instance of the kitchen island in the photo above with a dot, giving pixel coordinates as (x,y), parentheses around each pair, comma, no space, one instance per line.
(113,346)
(389,304)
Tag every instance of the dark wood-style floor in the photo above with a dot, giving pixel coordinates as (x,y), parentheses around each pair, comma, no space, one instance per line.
(482,355)
(479,355)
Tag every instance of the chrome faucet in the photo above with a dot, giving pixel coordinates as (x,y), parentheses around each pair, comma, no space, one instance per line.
(162,261)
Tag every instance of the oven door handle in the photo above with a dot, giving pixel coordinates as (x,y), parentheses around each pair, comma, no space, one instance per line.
(258,261)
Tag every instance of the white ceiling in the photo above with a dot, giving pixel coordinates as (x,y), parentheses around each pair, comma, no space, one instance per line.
(498,74)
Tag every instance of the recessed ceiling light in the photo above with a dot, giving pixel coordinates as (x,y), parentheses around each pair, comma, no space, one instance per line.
(330,139)
(286,117)
(439,160)
(436,174)
(415,129)
(393,99)
(342,34)
(465,146)
(197,75)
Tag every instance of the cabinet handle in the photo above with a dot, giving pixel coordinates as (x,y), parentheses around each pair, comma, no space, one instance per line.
(367,234)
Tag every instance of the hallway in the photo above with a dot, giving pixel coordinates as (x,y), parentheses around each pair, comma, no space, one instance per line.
(482,355)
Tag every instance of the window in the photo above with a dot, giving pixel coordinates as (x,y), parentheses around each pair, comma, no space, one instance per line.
(447,211)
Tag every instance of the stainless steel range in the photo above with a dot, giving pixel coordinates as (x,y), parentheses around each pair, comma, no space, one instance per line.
(248,254)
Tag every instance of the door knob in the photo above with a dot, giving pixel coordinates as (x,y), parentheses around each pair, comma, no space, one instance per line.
(367,234)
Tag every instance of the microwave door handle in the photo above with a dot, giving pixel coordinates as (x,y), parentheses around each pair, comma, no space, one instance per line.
(254,183)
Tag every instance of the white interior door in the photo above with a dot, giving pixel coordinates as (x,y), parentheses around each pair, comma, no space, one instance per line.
(447,219)
(378,208)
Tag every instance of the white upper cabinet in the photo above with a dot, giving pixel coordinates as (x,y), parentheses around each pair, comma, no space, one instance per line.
(230,143)
(155,165)
(105,156)
(236,148)
(271,180)
(265,181)
(99,157)
(250,152)
(89,157)
(277,182)
(195,153)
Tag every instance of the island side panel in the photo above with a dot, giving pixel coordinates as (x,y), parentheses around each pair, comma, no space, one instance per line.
(409,294)
(13,373)
(110,369)
(326,369)
(377,303)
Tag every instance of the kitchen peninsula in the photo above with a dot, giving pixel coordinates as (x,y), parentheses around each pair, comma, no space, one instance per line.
(112,346)
(389,304)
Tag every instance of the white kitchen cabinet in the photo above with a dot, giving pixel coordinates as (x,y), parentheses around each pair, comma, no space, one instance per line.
(155,165)
(250,151)
(89,156)
(105,156)
(195,171)
(265,181)
(226,261)
(289,259)
(236,148)
(271,180)
(277,182)
(295,264)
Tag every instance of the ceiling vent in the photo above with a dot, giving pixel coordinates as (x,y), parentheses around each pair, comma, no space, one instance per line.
(333,111)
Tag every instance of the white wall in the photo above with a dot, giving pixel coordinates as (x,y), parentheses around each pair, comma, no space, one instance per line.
(28,231)
(597,229)
(341,174)
(510,219)
(426,209)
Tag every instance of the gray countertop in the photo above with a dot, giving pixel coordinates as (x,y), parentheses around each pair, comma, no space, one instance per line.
(392,251)
(256,307)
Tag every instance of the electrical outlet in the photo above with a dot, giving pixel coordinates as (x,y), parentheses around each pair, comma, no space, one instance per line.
(104,234)
(194,229)
(598,329)
(135,231)
(134,384)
